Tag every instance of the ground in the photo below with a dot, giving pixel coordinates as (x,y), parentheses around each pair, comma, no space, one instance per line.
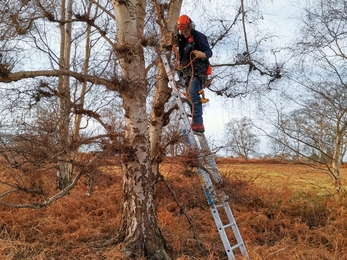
(284,211)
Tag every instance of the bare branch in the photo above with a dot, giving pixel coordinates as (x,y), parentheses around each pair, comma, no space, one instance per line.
(16,76)
(37,205)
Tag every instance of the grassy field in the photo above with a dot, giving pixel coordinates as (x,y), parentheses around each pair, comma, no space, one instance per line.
(284,211)
(296,177)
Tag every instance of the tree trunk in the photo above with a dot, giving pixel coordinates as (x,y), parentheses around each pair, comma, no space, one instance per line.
(336,160)
(64,171)
(158,119)
(75,139)
(162,93)
(139,232)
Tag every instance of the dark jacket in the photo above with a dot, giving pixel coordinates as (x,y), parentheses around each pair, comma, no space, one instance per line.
(199,42)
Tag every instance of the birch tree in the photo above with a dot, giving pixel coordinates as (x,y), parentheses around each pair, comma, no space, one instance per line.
(139,231)
(241,139)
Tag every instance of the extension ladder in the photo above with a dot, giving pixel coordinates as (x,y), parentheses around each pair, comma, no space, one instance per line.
(207,168)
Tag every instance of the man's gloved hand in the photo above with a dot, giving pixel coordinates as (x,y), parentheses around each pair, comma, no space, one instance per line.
(199,54)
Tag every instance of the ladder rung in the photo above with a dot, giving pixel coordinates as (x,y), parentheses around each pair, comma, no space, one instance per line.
(236,246)
(219,206)
(228,225)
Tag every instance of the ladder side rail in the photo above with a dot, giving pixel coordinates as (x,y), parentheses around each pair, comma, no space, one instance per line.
(183,116)
(222,233)
(236,230)
(210,160)
(207,187)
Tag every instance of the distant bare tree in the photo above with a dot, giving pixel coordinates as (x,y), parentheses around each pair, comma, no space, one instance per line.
(242,141)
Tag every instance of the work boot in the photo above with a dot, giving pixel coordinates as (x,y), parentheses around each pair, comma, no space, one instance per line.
(198,127)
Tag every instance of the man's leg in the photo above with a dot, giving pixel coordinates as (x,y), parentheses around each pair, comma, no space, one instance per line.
(197,106)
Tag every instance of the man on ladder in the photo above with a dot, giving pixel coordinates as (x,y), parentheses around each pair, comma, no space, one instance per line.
(194,52)
(192,63)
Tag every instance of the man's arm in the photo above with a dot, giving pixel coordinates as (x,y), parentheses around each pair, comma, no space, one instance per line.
(199,54)
(203,51)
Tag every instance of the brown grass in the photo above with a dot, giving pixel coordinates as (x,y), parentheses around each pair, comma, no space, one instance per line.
(284,211)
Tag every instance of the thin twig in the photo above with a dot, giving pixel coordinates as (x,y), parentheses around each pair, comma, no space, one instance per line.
(281,249)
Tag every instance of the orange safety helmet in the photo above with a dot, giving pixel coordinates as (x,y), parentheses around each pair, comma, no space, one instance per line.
(183,22)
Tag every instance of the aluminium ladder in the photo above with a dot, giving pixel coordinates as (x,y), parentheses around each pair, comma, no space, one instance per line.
(207,168)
